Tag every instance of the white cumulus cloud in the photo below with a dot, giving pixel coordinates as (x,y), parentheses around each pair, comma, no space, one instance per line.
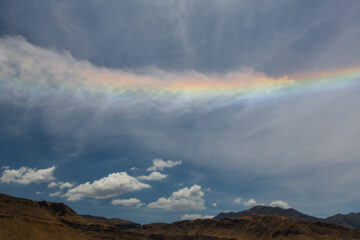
(250,202)
(182,200)
(25,175)
(280,203)
(52,185)
(159,164)
(63,185)
(154,176)
(132,202)
(113,185)
(195,216)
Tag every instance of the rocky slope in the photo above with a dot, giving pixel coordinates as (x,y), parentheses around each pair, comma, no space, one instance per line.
(26,219)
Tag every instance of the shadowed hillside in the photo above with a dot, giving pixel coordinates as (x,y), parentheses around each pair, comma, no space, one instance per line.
(30,220)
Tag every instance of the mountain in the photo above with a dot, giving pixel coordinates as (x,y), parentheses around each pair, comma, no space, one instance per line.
(269,211)
(351,220)
(259,227)
(26,219)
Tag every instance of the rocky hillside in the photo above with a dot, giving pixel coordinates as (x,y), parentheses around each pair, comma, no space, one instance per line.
(26,219)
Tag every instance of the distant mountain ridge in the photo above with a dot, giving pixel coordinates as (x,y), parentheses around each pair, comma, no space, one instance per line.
(269,211)
(41,220)
(254,227)
(351,220)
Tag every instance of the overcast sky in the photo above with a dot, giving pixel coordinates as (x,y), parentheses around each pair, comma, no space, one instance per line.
(165,110)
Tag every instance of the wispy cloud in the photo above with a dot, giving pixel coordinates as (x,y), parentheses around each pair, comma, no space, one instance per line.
(237,200)
(55,194)
(159,164)
(283,135)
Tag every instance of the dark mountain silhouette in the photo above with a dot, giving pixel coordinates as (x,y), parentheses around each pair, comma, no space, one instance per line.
(351,220)
(25,219)
(269,211)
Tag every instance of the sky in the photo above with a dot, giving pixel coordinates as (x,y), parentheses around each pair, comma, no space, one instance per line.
(158,111)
